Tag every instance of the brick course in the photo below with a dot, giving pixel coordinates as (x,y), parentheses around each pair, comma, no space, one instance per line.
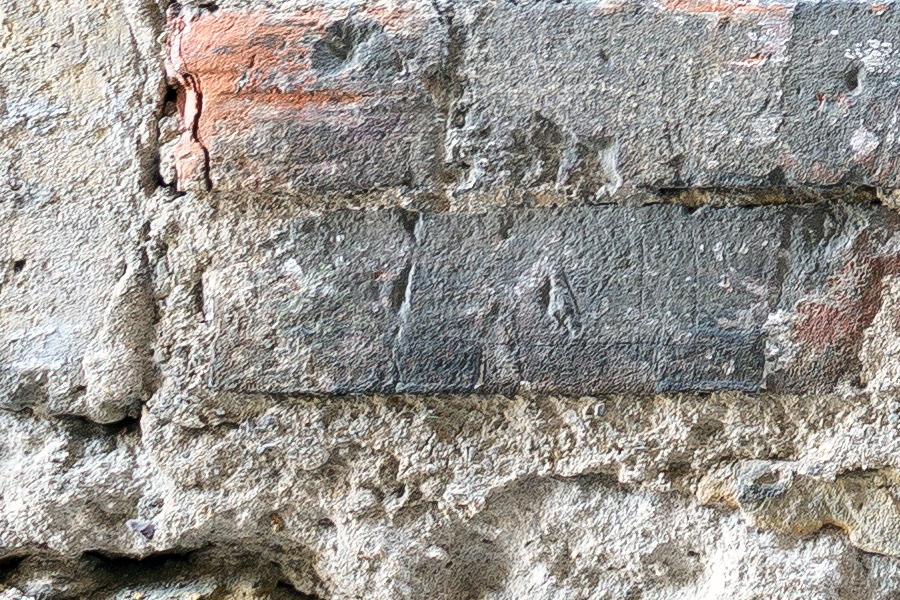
(579,99)
(577,300)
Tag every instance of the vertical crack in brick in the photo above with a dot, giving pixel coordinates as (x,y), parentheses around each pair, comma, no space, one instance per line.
(402,303)
(782,261)
(411,221)
(558,299)
(447,89)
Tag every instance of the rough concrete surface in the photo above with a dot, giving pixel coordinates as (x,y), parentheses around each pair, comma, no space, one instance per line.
(475,299)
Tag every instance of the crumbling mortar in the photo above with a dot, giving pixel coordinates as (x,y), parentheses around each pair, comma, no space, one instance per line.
(190,148)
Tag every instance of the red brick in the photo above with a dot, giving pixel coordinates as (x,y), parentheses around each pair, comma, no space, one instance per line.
(313,99)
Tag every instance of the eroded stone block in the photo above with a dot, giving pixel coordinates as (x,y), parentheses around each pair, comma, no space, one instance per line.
(840,93)
(77,156)
(598,299)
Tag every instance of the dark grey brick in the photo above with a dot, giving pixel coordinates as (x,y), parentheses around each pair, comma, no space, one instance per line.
(594,299)
(841,93)
(582,97)
(562,98)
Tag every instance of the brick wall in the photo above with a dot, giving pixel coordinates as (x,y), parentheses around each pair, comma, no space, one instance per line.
(458,299)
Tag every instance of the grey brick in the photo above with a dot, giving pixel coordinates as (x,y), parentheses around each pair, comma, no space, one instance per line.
(599,299)
(315,309)
(841,92)
(585,97)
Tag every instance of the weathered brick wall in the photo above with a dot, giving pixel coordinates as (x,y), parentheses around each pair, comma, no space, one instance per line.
(472,299)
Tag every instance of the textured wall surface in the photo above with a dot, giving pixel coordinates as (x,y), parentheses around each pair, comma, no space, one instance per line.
(449,300)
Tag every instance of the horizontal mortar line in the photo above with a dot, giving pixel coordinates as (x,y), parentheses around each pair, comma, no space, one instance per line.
(320,203)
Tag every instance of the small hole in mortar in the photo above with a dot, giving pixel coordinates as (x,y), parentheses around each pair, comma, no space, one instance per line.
(19,266)
(170,102)
(853,79)
(171,94)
